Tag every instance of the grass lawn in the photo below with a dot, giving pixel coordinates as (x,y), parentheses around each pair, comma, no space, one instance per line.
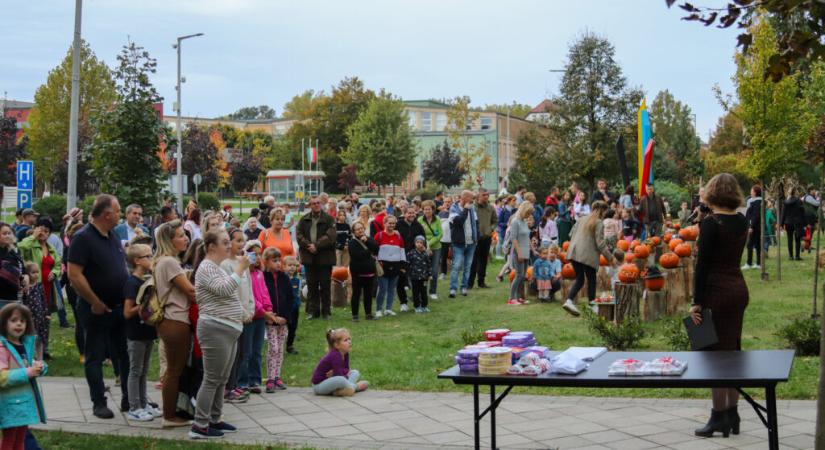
(408,351)
(58,440)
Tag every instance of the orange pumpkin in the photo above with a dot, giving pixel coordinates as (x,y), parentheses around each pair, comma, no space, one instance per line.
(654,284)
(656,241)
(669,260)
(568,272)
(629,257)
(674,242)
(563,257)
(677,227)
(635,243)
(527,275)
(603,261)
(565,246)
(682,250)
(628,273)
(340,273)
(689,233)
(623,245)
(668,237)
(641,251)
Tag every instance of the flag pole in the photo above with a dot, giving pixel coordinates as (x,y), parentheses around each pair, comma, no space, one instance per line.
(301,197)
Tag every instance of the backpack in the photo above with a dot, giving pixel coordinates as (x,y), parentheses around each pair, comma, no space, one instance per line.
(150,306)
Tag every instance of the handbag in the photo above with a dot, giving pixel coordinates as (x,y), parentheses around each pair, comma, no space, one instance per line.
(379,269)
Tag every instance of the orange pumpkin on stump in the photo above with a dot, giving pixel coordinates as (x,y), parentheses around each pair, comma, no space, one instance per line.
(340,273)
(635,243)
(656,241)
(689,233)
(623,245)
(668,237)
(629,257)
(655,283)
(683,250)
(568,272)
(669,260)
(674,242)
(628,273)
(641,251)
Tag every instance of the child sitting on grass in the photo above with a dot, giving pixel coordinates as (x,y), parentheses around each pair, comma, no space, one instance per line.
(332,375)
(140,338)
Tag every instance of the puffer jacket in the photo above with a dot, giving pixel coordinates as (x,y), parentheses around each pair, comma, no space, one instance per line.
(20,400)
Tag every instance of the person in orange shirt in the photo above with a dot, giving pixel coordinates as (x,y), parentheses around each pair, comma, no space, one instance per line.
(276,235)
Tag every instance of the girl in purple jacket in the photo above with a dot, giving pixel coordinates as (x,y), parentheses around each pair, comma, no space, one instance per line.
(332,375)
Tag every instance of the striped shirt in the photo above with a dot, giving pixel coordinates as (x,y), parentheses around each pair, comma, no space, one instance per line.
(216,295)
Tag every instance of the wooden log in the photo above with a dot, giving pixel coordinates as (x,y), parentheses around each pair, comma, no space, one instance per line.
(676,287)
(606,311)
(339,294)
(655,304)
(627,300)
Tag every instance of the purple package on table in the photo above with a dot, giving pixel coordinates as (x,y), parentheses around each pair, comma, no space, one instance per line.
(469,353)
(459,360)
(468,367)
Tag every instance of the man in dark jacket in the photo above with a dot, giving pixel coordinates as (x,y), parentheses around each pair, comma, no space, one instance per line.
(316,235)
(487,221)
(409,228)
(754,216)
(464,235)
(653,208)
(793,217)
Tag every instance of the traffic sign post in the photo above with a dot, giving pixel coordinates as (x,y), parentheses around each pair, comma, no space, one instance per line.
(196,180)
(25,184)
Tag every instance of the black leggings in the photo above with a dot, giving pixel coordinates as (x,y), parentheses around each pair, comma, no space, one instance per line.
(359,285)
(445,251)
(795,233)
(583,270)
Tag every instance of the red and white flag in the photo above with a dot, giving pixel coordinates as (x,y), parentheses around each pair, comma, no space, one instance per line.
(312,155)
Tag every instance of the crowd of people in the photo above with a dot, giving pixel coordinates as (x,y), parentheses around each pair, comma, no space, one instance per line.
(225,286)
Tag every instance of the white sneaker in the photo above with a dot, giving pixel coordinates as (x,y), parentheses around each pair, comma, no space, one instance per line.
(389,312)
(378,314)
(746,267)
(140,415)
(441,277)
(404,308)
(155,412)
(571,308)
(433,296)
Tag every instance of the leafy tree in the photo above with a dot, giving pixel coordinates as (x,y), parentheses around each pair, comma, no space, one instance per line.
(443,166)
(222,166)
(302,105)
(540,163)
(777,123)
(129,133)
(676,157)
(474,157)
(252,113)
(10,151)
(328,120)
(594,106)
(801,26)
(246,170)
(515,109)
(381,142)
(48,130)
(200,156)
(348,178)
(729,135)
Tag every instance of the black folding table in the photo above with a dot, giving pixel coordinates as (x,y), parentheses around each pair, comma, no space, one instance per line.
(747,369)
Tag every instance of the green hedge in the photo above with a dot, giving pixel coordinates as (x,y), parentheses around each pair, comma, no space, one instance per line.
(53,206)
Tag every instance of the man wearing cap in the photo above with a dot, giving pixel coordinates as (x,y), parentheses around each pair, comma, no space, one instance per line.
(132,226)
(29,218)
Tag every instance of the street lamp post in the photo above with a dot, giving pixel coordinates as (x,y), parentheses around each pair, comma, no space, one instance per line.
(179,153)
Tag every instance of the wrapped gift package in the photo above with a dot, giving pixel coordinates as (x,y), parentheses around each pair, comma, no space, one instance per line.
(496,335)
(665,366)
(626,367)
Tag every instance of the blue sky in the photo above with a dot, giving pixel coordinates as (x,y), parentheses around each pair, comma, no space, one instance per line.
(265,51)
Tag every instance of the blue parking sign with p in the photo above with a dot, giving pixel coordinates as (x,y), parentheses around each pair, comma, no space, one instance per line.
(24,199)
(25,175)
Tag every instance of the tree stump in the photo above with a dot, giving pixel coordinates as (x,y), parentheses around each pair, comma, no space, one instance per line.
(687,265)
(641,263)
(606,311)
(657,253)
(656,304)
(627,300)
(603,281)
(339,294)
(676,285)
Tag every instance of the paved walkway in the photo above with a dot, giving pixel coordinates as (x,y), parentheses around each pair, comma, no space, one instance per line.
(413,420)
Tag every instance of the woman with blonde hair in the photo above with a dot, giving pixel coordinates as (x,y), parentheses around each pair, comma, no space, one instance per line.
(363,217)
(586,244)
(174,330)
(520,254)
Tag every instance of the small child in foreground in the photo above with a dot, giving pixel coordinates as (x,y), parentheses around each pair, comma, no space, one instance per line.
(294,272)
(332,375)
(20,398)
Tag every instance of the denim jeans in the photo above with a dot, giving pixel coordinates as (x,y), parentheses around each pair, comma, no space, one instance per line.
(521,268)
(434,271)
(104,331)
(462,260)
(252,343)
(332,384)
(386,292)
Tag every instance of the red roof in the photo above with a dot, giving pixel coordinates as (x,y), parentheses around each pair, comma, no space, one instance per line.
(542,107)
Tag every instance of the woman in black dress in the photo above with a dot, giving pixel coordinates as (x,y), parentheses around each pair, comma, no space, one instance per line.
(720,287)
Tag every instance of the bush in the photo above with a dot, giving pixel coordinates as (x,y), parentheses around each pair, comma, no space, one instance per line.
(208,201)
(623,336)
(472,334)
(804,335)
(53,206)
(676,335)
(428,192)
(86,205)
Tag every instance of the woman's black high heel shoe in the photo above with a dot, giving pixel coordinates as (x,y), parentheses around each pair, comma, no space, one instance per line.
(719,421)
(733,418)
